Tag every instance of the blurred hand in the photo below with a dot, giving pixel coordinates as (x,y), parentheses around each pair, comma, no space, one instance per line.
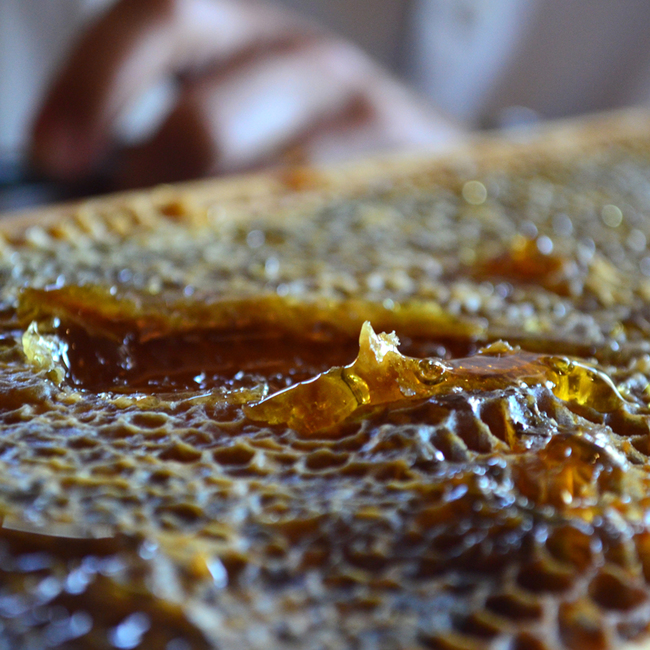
(256,85)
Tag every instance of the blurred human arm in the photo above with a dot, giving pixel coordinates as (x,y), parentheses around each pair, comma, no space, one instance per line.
(255,84)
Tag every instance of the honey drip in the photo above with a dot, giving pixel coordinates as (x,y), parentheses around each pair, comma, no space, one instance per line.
(381,375)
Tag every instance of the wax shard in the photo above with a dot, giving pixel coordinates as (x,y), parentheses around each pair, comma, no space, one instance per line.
(381,375)
(45,352)
(143,317)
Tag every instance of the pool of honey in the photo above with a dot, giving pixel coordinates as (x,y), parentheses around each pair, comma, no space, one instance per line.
(255,342)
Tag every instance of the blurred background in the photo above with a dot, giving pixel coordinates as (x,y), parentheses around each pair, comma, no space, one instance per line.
(96,95)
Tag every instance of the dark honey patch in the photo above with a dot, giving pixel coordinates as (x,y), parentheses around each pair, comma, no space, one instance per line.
(122,344)
(526,261)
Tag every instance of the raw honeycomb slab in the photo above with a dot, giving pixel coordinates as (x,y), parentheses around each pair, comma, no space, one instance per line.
(191,457)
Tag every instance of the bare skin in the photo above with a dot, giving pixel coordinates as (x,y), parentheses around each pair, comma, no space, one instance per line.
(256,85)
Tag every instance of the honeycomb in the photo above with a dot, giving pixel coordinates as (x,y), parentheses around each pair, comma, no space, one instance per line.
(409,410)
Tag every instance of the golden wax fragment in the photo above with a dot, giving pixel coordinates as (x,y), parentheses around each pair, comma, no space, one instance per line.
(382,375)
